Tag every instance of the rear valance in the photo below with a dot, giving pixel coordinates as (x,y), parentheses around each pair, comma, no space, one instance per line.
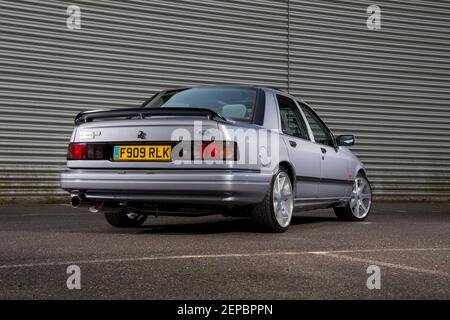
(144,113)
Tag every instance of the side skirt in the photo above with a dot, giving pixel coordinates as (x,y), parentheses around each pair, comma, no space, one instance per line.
(303,204)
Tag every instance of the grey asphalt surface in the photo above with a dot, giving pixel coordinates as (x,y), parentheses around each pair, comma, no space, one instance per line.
(225,258)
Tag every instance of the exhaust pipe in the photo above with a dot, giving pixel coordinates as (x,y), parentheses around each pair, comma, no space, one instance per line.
(75,201)
(78,201)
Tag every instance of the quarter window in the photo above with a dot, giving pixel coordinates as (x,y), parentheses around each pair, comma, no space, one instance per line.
(321,133)
(291,119)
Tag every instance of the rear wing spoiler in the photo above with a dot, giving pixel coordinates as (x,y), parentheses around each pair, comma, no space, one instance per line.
(143,113)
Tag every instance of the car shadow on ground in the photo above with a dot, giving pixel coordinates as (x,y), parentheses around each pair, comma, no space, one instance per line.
(227,225)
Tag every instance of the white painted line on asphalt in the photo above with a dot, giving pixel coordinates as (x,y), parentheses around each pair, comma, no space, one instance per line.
(209,256)
(151,258)
(381,263)
(384,250)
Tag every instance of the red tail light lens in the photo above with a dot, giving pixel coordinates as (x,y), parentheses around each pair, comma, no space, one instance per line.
(86,151)
(77,151)
(223,150)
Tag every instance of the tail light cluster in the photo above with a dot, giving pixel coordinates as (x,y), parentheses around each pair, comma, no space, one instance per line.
(224,150)
(216,151)
(86,151)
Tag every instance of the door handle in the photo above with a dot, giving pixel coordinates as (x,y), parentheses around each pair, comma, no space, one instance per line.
(323,150)
(292,143)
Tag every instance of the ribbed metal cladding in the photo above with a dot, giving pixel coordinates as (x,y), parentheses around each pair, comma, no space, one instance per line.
(124,52)
(390,87)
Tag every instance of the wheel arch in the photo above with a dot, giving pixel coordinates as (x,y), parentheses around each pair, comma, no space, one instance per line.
(361,170)
(286,165)
(364,172)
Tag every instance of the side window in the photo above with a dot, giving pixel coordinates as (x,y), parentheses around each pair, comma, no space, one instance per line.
(321,134)
(291,118)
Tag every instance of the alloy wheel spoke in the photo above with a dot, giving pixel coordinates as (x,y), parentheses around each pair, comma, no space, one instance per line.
(362,186)
(277,214)
(363,207)
(286,191)
(286,210)
(278,185)
(282,182)
(352,203)
(365,196)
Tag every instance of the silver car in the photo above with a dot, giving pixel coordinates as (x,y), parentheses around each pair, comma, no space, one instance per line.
(233,150)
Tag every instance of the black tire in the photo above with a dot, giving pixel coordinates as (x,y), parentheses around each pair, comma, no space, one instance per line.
(263,214)
(121,219)
(345,213)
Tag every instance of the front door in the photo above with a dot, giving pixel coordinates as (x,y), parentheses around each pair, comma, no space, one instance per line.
(334,179)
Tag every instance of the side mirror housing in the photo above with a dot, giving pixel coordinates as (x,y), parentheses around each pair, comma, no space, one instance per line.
(346,140)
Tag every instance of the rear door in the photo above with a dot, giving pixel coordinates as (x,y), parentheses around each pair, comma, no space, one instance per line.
(304,155)
(334,180)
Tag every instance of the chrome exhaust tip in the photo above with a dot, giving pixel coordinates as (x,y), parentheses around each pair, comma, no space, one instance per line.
(79,200)
(75,201)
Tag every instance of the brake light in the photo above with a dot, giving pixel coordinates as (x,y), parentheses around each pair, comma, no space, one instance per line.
(83,151)
(77,151)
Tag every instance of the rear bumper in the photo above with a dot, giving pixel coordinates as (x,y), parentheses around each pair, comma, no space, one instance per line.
(216,187)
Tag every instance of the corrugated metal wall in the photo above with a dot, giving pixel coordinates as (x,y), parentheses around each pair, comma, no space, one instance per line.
(124,52)
(391,87)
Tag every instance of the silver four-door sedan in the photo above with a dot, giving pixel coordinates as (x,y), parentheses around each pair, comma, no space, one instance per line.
(232,150)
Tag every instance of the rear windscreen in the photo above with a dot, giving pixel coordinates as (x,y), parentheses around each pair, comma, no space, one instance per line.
(232,102)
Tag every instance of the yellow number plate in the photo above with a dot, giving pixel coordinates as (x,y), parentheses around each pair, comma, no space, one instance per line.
(143,153)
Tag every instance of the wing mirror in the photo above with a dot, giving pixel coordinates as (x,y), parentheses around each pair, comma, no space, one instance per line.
(346,140)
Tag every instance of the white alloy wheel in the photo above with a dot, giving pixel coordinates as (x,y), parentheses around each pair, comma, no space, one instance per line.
(361,198)
(283,199)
